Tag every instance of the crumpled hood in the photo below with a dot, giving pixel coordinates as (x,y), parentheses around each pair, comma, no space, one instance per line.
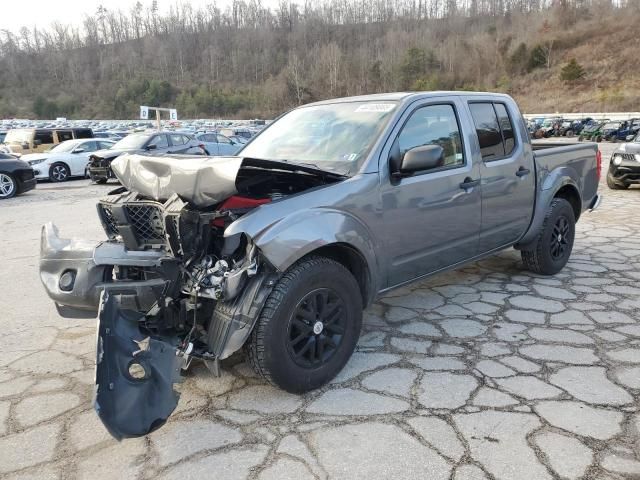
(110,153)
(201,181)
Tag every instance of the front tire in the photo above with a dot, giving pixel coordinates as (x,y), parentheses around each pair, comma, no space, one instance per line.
(309,326)
(59,172)
(552,249)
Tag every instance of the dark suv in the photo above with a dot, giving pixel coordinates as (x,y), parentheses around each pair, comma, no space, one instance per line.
(145,143)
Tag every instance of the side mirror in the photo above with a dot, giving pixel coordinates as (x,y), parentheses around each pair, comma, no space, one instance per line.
(421,158)
(78,150)
(153,146)
(35,143)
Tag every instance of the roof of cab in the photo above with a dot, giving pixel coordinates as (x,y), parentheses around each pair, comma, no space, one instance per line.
(404,96)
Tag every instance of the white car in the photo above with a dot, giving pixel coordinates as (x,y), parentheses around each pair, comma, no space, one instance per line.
(65,160)
(216,144)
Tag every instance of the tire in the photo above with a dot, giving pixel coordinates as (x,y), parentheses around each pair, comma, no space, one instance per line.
(613,184)
(59,172)
(289,331)
(580,138)
(568,133)
(8,186)
(552,249)
(100,181)
(598,138)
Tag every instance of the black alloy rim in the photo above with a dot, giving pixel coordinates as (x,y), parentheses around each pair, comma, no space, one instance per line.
(316,328)
(560,238)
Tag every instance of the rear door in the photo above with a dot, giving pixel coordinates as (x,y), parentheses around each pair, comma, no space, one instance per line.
(432,218)
(508,176)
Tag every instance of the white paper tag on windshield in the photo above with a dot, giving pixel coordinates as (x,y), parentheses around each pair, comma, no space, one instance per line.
(375,107)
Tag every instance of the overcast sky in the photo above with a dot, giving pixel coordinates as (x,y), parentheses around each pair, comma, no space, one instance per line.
(15,14)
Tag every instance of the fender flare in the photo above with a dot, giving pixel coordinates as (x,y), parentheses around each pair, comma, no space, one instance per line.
(551,185)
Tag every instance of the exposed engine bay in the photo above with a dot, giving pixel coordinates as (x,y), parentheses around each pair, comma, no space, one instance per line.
(169,286)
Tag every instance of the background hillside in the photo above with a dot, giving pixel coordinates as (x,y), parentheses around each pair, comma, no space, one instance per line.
(250,61)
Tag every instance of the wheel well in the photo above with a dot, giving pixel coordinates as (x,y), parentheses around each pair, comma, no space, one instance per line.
(571,195)
(353,260)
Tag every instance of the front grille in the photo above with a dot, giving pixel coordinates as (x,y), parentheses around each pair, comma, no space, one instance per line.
(108,220)
(147,222)
(628,156)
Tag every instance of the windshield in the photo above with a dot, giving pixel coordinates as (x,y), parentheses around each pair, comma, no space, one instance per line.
(18,136)
(611,125)
(64,147)
(335,137)
(131,142)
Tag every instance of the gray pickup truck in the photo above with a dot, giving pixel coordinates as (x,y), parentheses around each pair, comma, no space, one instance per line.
(281,248)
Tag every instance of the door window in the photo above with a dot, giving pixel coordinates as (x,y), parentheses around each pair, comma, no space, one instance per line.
(223,139)
(494,129)
(89,146)
(488,130)
(160,141)
(506,127)
(434,125)
(177,139)
(105,144)
(83,133)
(44,137)
(64,135)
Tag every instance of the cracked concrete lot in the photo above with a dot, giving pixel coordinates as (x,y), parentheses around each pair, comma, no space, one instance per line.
(487,372)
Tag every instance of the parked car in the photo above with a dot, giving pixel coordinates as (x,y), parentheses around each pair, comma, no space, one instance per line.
(65,160)
(16,176)
(218,144)
(280,249)
(31,140)
(146,142)
(624,167)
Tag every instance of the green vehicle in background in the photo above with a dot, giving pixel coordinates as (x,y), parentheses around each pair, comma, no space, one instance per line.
(593,132)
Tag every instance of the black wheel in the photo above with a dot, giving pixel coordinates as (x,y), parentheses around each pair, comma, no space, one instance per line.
(552,248)
(580,138)
(100,181)
(598,138)
(613,184)
(8,186)
(59,172)
(308,327)
(568,133)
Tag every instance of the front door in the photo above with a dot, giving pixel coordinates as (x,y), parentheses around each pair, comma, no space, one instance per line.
(508,176)
(432,218)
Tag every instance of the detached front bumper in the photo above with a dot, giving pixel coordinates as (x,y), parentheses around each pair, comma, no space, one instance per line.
(74,272)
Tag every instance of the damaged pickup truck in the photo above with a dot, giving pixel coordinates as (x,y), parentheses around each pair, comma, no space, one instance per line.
(280,249)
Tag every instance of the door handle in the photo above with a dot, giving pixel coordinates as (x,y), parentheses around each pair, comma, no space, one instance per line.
(469,183)
(522,172)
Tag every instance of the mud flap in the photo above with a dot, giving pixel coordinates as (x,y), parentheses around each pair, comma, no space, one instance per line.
(135,372)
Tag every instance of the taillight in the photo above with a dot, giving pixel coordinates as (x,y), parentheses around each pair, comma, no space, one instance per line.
(598,163)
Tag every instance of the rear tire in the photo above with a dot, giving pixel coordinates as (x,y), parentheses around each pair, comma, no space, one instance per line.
(100,181)
(613,184)
(309,326)
(552,249)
